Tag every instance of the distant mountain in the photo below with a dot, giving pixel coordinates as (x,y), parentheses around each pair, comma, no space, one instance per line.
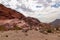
(56,22)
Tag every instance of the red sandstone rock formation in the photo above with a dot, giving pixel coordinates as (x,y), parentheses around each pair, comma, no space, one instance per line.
(7,13)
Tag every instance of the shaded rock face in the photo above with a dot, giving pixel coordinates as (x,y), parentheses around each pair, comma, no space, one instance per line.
(32,21)
(45,25)
(7,13)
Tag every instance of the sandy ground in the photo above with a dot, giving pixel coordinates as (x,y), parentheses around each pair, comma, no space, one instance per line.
(32,35)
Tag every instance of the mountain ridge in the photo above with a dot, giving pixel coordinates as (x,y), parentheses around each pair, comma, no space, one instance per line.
(56,22)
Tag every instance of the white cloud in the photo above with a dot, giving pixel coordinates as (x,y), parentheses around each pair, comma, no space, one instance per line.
(58,16)
(45,16)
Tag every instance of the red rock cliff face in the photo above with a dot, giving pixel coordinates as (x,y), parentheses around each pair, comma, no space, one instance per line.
(7,13)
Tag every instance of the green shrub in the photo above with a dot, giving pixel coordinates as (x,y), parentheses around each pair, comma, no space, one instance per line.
(49,31)
(17,28)
(2,28)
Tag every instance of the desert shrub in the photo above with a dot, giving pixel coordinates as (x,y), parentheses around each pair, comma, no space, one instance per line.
(49,30)
(2,28)
(17,28)
(57,28)
(6,35)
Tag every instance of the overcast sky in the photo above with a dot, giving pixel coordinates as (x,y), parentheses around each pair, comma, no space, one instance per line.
(46,11)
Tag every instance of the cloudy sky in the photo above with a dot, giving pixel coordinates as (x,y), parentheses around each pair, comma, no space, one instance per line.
(46,11)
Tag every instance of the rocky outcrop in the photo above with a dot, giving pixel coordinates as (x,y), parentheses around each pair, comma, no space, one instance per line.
(32,21)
